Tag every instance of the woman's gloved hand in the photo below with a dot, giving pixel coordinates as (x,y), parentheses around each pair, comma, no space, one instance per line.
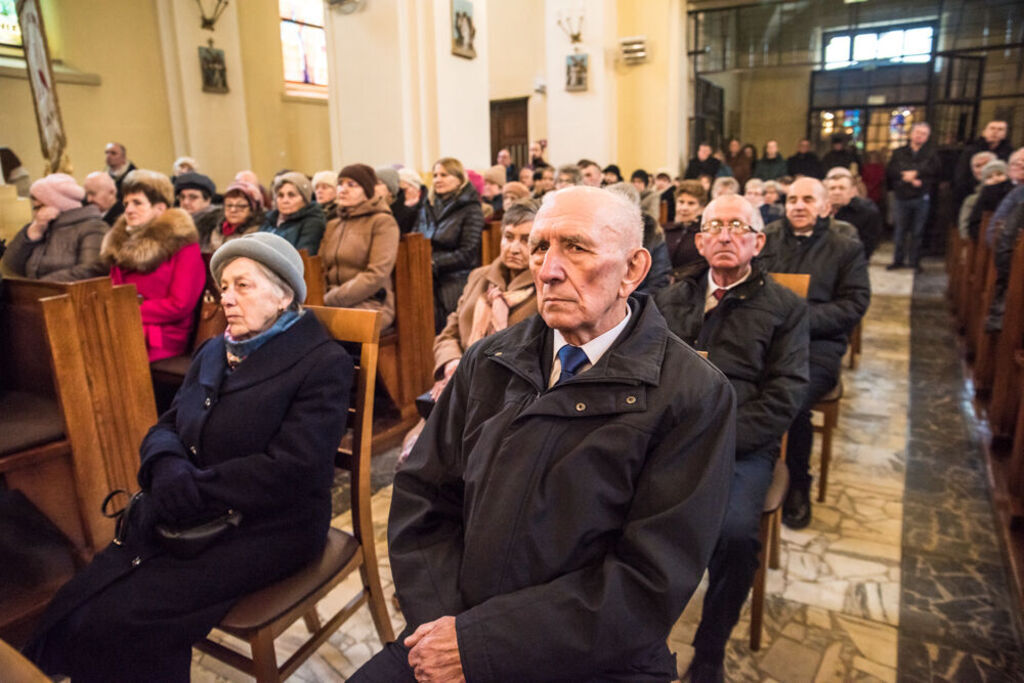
(173,488)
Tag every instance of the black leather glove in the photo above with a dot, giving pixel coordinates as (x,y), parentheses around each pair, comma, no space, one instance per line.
(173,488)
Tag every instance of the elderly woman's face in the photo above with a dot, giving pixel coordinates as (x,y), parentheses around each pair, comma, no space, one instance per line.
(515,246)
(236,209)
(288,199)
(412,193)
(350,192)
(325,192)
(251,301)
(444,182)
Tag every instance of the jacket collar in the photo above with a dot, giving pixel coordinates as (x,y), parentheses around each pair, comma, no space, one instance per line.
(366,207)
(636,357)
(310,209)
(273,358)
(497,273)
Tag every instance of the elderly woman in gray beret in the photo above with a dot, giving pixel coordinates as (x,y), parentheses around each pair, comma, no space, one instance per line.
(253,430)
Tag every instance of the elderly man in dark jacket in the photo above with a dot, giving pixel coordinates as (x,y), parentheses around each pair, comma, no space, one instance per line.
(837,299)
(755,331)
(565,496)
(859,212)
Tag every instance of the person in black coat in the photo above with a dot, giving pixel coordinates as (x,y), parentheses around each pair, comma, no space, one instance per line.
(993,139)
(838,297)
(703,164)
(841,155)
(254,428)
(805,162)
(756,333)
(679,237)
(861,213)
(911,176)
(559,508)
(995,185)
(452,220)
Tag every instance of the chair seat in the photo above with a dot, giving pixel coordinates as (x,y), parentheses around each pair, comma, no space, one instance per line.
(835,394)
(266,605)
(175,366)
(777,490)
(28,420)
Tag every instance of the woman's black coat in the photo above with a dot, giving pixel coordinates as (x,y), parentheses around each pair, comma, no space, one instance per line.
(453,226)
(269,430)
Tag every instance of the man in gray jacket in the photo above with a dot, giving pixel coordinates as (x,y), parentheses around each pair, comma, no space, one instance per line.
(565,496)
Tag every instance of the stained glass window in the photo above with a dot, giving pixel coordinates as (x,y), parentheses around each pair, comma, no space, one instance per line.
(10,30)
(304,45)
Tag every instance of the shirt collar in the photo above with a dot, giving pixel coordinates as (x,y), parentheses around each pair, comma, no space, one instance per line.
(596,347)
(712,285)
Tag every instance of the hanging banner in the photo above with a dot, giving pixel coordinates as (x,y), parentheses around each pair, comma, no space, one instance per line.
(40,78)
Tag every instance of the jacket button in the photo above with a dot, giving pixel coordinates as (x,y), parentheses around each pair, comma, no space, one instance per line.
(137,561)
(631,400)
(207,402)
(498,353)
(192,449)
(580,407)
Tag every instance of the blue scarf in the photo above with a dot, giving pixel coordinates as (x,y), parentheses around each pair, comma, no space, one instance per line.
(240,350)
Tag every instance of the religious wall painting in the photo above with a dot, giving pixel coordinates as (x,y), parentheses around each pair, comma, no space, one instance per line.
(215,73)
(576,72)
(463,29)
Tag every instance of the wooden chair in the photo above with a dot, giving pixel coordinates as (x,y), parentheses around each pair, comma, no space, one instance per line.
(1006,381)
(1015,466)
(828,406)
(490,242)
(855,344)
(770,534)
(17,669)
(313,274)
(262,616)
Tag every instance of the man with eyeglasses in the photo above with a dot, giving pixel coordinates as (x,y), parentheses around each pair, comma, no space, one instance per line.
(838,297)
(755,331)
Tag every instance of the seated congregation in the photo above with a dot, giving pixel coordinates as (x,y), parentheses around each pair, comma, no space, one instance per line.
(621,377)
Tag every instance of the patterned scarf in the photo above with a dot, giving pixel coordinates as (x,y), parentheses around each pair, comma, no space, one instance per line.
(239,350)
(490,314)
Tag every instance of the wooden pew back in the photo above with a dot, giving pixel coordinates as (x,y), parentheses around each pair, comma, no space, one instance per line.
(316,280)
(1007,377)
(490,241)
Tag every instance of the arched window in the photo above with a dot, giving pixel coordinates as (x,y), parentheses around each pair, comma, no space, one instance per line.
(304,47)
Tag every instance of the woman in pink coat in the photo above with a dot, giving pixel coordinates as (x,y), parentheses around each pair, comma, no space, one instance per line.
(156,248)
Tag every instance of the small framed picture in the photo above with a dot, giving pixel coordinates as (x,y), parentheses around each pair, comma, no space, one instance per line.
(463,29)
(215,74)
(576,72)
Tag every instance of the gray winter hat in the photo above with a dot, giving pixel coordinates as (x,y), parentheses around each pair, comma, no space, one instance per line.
(268,249)
(993,167)
(389,177)
(299,181)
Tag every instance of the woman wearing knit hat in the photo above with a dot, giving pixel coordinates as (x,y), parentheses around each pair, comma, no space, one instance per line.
(62,243)
(241,213)
(156,248)
(512,193)
(254,429)
(452,220)
(296,217)
(325,190)
(360,246)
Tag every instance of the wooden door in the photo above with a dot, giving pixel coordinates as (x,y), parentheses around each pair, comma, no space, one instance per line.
(509,129)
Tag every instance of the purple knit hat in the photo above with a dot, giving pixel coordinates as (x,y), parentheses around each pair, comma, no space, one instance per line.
(249,191)
(58,190)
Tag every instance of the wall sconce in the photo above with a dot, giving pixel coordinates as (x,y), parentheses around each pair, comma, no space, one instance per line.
(210,21)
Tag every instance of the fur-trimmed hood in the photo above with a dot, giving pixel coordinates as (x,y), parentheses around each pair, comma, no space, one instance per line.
(145,248)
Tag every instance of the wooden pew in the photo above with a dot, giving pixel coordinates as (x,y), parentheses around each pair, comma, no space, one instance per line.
(1007,378)
(313,274)
(407,348)
(963,281)
(74,359)
(490,242)
(974,287)
(984,342)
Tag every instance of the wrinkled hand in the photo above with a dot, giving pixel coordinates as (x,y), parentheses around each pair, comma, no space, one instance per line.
(40,222)
(439,385)
(173,488)
(434,653)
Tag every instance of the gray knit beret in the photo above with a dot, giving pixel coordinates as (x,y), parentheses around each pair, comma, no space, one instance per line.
(389,177)
(268,249)
(299,181)
(993,167)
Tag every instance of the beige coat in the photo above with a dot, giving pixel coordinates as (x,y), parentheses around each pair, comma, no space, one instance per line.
(451,343)
(359,251)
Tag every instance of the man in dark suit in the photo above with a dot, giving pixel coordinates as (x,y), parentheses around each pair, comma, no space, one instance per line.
(755,331)
(559,508)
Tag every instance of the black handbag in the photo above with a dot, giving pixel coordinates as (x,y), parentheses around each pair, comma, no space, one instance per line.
(181,541)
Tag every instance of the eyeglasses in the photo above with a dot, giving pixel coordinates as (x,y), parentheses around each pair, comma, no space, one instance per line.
(735,227)
(235,207)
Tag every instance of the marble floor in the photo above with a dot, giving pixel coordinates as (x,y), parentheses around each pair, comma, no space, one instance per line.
(898,577)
